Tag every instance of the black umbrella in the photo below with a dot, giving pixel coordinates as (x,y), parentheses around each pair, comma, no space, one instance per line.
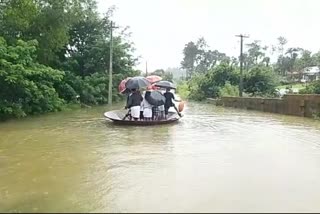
(155,98)
(137,83)
(165,84)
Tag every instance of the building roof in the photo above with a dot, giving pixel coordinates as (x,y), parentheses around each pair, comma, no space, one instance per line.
(311,70)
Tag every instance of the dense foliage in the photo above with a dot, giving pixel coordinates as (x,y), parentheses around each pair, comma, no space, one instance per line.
(312,88)
(27,87)
(57,52)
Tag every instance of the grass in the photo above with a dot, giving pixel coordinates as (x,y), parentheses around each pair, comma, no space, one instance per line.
(296,85)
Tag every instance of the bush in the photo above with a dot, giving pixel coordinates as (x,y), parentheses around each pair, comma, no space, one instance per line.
(260,81)
(194,87)
(209,85)
(312,88)
(229,90)
(183,89)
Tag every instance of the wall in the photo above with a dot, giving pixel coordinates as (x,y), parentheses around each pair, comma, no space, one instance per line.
(298,105)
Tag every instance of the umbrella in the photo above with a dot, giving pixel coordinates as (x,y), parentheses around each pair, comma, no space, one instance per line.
(122,85)
(165,84)
(137,83)
(155,98)
(152,87)
(153,78)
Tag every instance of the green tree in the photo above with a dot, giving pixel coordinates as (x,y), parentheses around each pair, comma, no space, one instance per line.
(26,86)
(158,72)
(255,52)
(46,21)
(260,81)
(206,85)
(168,76)
(190,52)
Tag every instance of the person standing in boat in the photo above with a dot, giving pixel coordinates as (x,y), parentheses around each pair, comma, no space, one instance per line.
(161,112)
(147,107)
(134,103)
(128,93)
(169,102)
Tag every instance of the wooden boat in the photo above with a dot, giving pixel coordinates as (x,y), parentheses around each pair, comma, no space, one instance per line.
(117,117)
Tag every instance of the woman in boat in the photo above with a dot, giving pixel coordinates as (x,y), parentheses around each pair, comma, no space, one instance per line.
(147,108)
(169,103)
(134,103)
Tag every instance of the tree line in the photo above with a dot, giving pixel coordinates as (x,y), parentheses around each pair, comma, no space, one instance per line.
(211,73)
(56,52)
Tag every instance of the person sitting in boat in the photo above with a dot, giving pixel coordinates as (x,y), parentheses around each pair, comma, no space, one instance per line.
(169,103)
(134,103)
(147,108)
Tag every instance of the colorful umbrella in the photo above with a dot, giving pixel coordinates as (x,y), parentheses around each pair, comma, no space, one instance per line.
(153,78)
(122,85)
(152,87)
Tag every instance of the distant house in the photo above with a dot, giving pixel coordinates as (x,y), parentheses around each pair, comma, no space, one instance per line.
(310,74)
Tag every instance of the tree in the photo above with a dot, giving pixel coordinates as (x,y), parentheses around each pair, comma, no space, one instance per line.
(59,35)
(281,44)
(260,81)
(158,72)
(190,52)
(304,61)
(168,76)
(210,84)
(255,52)
(26,86)
(266,60)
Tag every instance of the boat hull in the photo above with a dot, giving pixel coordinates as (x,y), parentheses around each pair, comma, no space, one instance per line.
(117,116)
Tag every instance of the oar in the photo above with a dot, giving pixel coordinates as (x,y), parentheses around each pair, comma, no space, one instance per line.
(126,115)
(174,106)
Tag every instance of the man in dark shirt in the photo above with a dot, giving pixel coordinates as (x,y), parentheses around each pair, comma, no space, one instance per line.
(134,99)
(169,103)
(133,103)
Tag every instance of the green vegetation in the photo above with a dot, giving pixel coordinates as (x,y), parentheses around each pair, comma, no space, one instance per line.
(55,53)
(312,88)
(211,73)
(183,89)
(294,85)
(229,90)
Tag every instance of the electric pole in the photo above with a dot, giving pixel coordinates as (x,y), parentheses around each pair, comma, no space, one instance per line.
(110,67)
(146,68)
(241,63)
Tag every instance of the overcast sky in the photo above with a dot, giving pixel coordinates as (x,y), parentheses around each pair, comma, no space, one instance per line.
(161,28)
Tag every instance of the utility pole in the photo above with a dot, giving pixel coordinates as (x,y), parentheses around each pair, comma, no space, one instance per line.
(241,63)
(110,68)
(146,68)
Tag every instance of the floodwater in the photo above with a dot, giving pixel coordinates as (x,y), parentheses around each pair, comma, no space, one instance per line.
(213,160)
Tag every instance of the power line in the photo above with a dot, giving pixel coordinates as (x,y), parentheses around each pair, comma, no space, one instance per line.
(241,63)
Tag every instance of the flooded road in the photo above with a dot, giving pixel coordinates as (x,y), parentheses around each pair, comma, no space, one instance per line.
(214,160)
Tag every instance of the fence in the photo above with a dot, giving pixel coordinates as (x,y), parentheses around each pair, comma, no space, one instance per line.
(298,105)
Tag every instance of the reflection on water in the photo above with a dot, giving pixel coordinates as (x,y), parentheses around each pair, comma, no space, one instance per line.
(214,160)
